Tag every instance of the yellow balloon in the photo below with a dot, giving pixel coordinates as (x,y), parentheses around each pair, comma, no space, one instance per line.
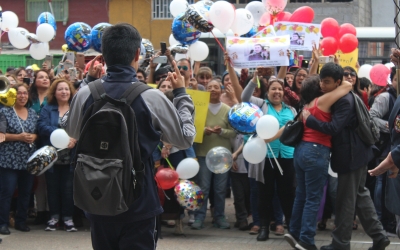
(64,48)
(8,98)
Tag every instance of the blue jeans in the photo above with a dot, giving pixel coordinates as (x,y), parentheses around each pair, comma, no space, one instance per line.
(311,162)
(253,198)
(59,192)
(203,179)
(278,213)
(9,180)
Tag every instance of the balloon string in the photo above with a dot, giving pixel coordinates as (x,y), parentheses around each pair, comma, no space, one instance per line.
(169,163)
(220,45)
(276,161)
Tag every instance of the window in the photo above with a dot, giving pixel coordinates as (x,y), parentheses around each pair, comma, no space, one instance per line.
(33,8)
(160,9)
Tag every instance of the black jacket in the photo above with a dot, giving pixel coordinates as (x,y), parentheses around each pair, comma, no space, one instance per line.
(348,151)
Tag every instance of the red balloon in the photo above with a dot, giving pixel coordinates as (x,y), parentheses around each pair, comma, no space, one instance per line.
(348,43)
(329,27)
(347,28)
(379,74)
(303,14)
(283,16)
(166,178)
(329,46)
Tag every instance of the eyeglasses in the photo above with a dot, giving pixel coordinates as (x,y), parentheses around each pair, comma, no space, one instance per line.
(185,68)
(158,78)
(347,74)
(301,75)
(22,93)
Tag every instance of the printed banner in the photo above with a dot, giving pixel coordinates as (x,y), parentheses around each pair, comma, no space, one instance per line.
(302,35)
(255,52)
(266,32)
(201,99)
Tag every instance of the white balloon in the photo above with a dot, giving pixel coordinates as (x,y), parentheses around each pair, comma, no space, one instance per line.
(364,70)
(255,150)
(257,9)
(222,15)
(178,6)
(389,65)
(198,51)
(59,138)
(39,51)
(172,40)
(9,21)
(243,22)
(45,32)
(17,37)
(187,168)
(267,126)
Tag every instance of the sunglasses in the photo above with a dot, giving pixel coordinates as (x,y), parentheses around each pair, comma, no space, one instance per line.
(185,68)
(347,74)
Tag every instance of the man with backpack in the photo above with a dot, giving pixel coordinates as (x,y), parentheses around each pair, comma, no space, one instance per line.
(349,158)
(118,123)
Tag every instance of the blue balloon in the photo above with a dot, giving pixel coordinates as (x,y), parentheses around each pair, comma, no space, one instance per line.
(47,17)
(251,33)
(97,33)
(243,117)
(78,36)
(183,31)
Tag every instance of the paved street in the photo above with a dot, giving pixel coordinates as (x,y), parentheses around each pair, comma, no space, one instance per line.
(208,238)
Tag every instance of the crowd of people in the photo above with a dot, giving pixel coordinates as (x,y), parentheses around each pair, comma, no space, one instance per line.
(272,201)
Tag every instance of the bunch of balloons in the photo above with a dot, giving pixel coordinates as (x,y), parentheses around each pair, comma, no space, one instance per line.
(21,38)
(336,37)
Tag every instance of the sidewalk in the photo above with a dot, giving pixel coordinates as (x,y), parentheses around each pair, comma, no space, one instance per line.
(209,238)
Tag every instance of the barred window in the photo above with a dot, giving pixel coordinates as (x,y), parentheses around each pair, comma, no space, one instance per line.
(33,8)
(160,9)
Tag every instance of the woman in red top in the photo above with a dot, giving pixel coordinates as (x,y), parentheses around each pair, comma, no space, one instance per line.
(311,161)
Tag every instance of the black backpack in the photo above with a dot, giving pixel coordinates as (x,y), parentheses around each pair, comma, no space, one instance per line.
(366,128)
(109,171)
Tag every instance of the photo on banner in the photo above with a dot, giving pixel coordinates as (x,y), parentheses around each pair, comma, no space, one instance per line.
(201,99)
(268,31)
(302,35)
(255,52)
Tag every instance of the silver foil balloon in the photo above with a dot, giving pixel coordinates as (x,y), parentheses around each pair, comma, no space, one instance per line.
(179,48)
(41,160)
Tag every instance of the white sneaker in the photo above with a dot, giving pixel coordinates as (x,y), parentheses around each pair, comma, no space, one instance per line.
(69,226)
(291,240)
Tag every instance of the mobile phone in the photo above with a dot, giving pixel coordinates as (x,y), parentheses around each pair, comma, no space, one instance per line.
(163,47)
(160,59)
(68,65)
(80,59)
(70,56)
(49,61)
(72,74)
(26,80)
(325,59)
(60,67)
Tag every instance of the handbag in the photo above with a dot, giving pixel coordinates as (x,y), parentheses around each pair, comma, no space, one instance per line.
(293,132)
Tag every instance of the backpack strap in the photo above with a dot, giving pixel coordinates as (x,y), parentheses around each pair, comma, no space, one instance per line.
(96,89)
(134,91)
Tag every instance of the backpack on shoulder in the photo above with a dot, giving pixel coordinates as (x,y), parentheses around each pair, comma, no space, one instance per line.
(366,128)
(109,172)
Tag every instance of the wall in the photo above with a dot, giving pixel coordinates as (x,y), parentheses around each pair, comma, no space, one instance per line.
(382,13)
(91,12)
(138,13)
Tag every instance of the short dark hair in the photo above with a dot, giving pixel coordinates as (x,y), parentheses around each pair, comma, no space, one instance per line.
(332,70)
(120,43)
(140,70)
(364,83)
(310,88)
(392,73)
